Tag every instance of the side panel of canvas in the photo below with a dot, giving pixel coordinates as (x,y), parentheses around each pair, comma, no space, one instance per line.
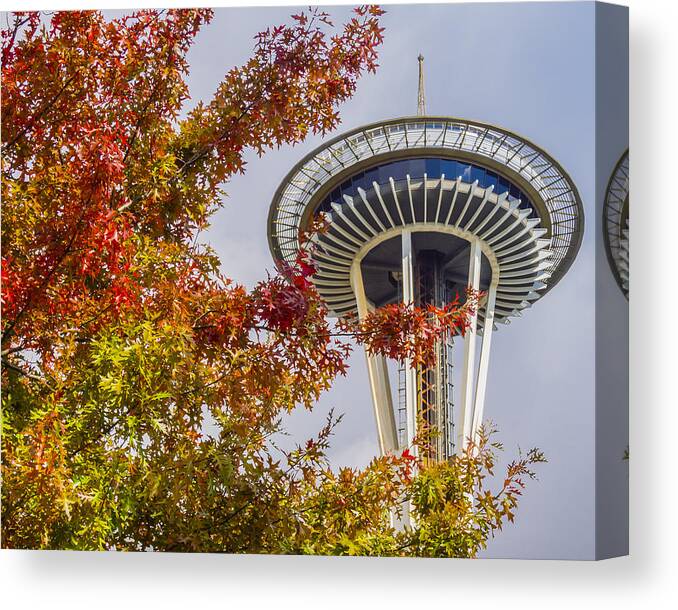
(612,313)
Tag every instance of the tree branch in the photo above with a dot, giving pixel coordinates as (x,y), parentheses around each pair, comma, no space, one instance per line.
(18,369)
(44,109)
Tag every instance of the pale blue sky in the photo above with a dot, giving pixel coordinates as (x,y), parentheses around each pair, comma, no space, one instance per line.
(528,67)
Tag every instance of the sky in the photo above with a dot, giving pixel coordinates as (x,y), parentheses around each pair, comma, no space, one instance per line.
(526,67)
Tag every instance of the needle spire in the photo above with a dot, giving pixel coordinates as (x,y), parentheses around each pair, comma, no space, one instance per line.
(421,98)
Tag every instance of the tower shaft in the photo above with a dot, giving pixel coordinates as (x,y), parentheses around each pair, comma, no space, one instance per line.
(434,387)
(435,381)
(426,391)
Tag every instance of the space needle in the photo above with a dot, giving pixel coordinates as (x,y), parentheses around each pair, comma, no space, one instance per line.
(420,208)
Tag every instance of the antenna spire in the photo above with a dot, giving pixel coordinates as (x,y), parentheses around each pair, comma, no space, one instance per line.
(421,98)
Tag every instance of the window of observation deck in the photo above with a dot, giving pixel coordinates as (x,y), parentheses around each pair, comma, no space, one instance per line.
(433,168)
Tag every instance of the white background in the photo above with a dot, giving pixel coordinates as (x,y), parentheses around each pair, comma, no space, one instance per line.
(646,579)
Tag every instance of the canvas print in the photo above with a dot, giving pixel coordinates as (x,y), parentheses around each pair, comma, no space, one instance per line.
(325,281)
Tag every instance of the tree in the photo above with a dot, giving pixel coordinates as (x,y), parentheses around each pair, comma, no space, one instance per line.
(121,339)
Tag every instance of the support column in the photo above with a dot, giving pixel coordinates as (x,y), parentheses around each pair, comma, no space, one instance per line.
(466,410)
(377,372)
(481,385)
(410,371)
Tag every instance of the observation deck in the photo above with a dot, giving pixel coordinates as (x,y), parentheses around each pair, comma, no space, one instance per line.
(450,181)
